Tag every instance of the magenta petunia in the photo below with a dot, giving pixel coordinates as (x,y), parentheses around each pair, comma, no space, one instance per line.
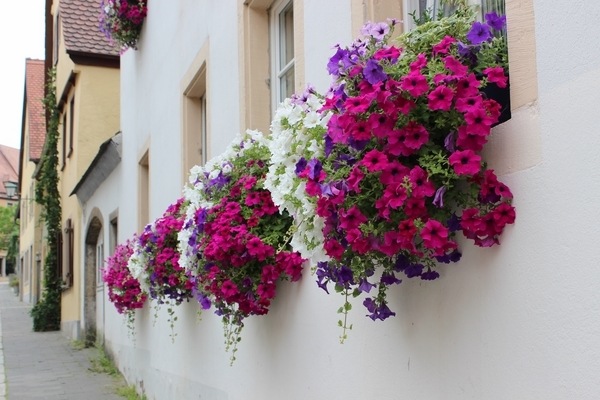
(434,235)
(415,135)
(444,45)
(496,75)
(375,160)
(414,83)
(456,67)
(440,98)
(465,162)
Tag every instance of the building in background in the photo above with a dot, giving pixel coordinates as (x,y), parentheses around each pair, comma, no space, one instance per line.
(33,134)
(9,178)
(87,83)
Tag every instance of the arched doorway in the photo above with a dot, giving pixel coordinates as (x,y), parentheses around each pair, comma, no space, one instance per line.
(94,257)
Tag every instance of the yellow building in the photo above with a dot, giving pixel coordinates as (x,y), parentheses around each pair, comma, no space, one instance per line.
(87,84)
(33,133)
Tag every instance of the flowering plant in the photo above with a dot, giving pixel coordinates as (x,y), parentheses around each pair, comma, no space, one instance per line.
(298,132)
(121,21)
(155,260)
(124,291)
(241,240)
(402,173)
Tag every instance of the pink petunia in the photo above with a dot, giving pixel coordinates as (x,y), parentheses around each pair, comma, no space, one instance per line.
(420,184)
(352,218)
(414,83)
(333,249)
(465,162)
(416,135)
(456,67)
(375,160)
(440,98)
(496,75)
(467,86)
(393,174)
(478,121)
(443,46)
(469,141)
(229,289)
(419,63)
(434,235)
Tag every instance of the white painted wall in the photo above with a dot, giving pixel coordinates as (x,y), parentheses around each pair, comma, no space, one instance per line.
(519,321)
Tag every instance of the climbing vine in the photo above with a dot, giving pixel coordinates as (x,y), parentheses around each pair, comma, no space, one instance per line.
(46,313)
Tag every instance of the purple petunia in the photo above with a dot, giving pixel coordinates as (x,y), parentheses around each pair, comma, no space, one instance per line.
(374,72)
(497,22)
(479,33)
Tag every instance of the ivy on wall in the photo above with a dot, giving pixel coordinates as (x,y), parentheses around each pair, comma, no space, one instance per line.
(46,313)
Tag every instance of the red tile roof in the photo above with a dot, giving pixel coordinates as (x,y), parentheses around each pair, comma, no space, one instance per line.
(80,26)
(9,165)
(34,95)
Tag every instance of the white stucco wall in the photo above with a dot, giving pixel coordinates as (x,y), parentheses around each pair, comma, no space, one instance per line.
(519,321)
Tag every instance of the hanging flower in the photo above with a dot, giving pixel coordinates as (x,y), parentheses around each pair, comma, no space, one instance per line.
(121,21)
(155,261)
(296,142)
(124,291)
(401,172)
(239,236)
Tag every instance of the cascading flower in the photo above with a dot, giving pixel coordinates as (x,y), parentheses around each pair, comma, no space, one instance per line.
(121,21)
(124,291)
(155,261)
(239,236)
(400,173)
(296,141)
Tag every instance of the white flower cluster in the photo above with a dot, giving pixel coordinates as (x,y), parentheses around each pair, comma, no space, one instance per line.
(138,261)
(298,132)
(198,196)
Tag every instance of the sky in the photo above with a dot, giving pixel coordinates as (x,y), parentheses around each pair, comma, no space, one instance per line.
(21,36)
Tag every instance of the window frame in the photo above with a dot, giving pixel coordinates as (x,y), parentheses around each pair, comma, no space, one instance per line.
(276,33)
(413,5)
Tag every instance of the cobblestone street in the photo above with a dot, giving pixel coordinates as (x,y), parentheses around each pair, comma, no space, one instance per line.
(44,365)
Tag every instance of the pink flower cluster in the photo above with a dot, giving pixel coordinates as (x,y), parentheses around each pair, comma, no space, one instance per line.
(121,20)
(402,171)
(167,279)
(124,290)
(242,263)
(132,10)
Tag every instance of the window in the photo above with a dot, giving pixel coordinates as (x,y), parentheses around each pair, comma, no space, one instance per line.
(67,261)
(144,192)
(113,235)
(255,68)
(71,125)
(282,51)
(433,8)
(99,257)
(64,140)
(195,118)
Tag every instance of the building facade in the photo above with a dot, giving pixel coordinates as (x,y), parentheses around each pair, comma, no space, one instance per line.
(33,133)
(87,84)
(514,321)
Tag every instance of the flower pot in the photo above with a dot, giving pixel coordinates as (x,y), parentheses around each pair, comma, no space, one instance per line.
(502,96)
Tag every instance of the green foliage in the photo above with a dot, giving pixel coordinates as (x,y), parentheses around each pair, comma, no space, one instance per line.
(46,313)
(130,393)
(102,364)
(8,226)
(13,280)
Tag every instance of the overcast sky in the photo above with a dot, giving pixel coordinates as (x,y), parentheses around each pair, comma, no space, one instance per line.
(21,37)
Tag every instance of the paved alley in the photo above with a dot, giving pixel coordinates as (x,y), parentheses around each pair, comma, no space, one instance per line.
(44,365)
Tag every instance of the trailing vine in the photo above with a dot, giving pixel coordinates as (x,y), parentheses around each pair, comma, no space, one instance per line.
(46,313)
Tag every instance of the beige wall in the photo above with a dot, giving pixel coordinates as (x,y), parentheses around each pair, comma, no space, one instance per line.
(96,119)
(31,228)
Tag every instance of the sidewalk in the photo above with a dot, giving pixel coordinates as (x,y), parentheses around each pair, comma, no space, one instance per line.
(44,365)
